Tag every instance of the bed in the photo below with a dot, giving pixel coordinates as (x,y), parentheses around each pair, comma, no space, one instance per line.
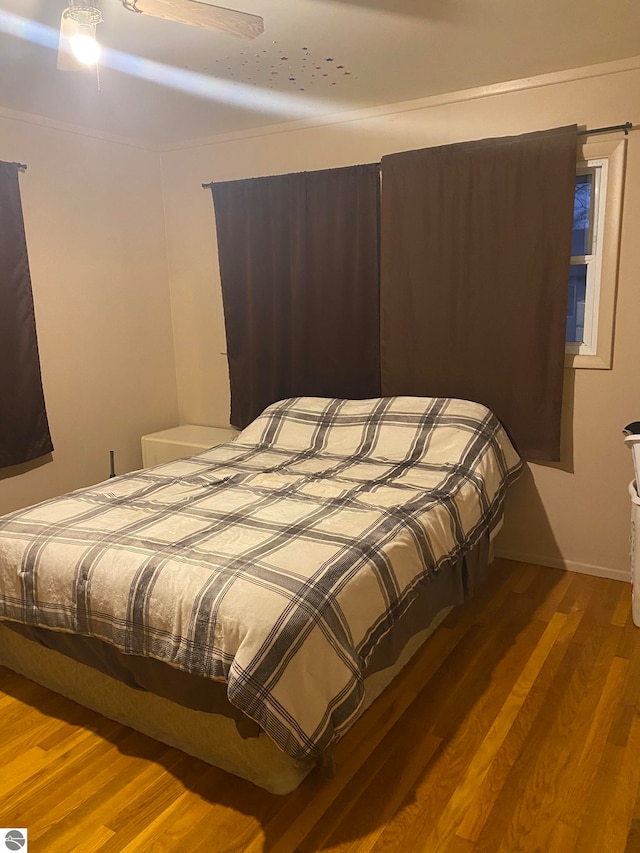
(248,603)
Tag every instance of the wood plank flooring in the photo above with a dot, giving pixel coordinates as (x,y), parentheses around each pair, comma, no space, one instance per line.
(516,728)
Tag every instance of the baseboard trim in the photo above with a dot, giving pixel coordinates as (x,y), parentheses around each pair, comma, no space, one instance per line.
(568,565)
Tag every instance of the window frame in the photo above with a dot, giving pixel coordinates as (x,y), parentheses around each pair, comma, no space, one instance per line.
(602,270)
(592,260)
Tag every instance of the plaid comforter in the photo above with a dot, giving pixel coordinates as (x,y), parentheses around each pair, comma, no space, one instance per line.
(275,562)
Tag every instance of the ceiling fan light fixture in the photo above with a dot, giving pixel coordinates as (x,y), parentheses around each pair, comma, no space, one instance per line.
(78,31)
(77,45)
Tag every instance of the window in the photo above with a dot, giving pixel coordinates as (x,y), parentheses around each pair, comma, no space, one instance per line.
(594,255)
(584,275)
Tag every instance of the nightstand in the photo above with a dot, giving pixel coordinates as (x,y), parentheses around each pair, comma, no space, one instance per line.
(185,440)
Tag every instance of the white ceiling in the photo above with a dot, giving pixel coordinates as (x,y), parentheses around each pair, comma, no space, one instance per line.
(170,83)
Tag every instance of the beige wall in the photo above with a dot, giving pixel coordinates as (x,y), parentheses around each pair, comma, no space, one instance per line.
(95,234)
(576,514)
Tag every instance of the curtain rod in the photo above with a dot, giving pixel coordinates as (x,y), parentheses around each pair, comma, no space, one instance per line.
(21,167)
(627,126)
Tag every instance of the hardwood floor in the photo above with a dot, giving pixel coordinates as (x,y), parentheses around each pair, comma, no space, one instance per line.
(516,728)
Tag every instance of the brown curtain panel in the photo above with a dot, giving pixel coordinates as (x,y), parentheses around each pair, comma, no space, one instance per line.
(299,267)
(476,242)
(24,430)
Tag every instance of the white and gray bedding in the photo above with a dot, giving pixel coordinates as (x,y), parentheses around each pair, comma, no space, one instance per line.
(277,564)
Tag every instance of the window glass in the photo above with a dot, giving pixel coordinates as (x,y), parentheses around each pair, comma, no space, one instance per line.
(581,323)
(576,303)
(582,215)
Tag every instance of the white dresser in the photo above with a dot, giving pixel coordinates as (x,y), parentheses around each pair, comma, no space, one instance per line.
(185,440)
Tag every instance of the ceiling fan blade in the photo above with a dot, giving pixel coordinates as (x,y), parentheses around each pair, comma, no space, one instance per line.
(199,13)
(66,58)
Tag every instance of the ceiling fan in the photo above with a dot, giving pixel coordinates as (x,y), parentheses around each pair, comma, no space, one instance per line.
(78,46)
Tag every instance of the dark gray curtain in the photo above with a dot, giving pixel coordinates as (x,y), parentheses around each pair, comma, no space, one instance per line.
(24,430)
(476,241)
(298,260)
